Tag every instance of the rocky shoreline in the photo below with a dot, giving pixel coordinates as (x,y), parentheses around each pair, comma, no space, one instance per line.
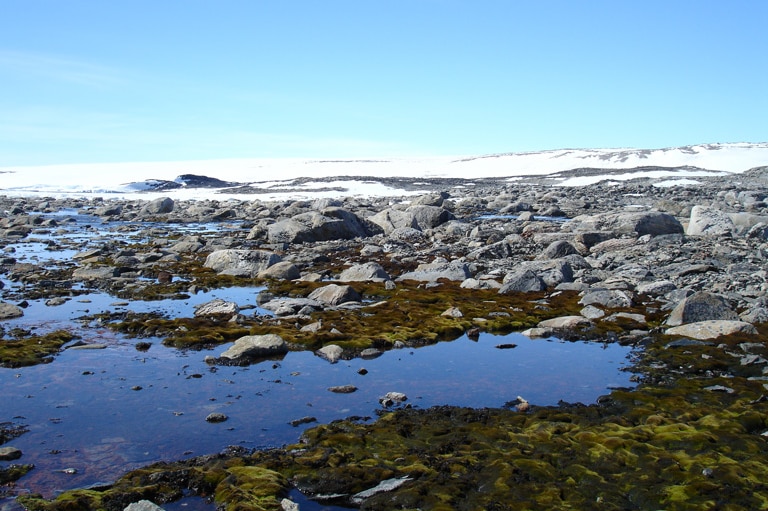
(679,271)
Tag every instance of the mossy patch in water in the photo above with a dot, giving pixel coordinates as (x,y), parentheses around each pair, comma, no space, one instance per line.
(25,350)
(225,478)
(410,313)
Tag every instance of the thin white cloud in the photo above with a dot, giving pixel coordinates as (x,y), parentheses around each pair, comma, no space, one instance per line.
(59,68)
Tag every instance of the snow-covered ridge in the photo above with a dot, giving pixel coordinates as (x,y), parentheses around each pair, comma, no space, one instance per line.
(125,179)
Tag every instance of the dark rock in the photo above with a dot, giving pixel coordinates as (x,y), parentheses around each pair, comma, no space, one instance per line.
(701,306)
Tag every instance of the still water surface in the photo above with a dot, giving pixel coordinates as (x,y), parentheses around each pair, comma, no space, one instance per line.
(103,412)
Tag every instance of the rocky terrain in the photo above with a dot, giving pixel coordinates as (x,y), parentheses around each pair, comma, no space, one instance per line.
(679,271)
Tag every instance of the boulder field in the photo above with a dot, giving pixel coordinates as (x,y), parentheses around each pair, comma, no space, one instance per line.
(678,272)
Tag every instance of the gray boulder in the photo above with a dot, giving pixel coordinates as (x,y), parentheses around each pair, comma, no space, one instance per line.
(522,281)
(329,224)
(636,223)
(290,306)
(706,221)
(284,270)
(370,271)
(390,219)
(558,249)
(256,346)
(701,306)
(432,272)
(159,206)
(608,298)
(10,311)
(95,273)
(334,294)
(429,217)
(656,288)
(248,263)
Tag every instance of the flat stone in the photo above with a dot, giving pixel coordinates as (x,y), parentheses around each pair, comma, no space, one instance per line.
(565,323)
(704,330)
(256,346)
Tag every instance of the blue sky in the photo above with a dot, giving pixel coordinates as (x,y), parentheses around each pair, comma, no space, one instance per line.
(109,81)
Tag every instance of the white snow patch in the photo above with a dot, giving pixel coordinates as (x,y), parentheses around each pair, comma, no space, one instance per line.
(110,179)
(676,182)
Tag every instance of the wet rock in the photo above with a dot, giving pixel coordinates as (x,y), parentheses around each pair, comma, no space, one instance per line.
(334,294)
(343,389)
(10,311)
(392,398)
(332,353)
(304,420)
(9,453)
(240,262)
(254,347)
(704,330)
(216,417)
(701,306)
(289,505)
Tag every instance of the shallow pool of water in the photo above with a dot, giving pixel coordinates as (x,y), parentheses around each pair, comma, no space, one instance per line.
(102,412)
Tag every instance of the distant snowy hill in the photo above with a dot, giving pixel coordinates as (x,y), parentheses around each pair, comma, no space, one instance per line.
(274,178)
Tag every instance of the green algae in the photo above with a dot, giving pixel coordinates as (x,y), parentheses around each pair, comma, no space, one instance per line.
(226,479)
(27,350)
